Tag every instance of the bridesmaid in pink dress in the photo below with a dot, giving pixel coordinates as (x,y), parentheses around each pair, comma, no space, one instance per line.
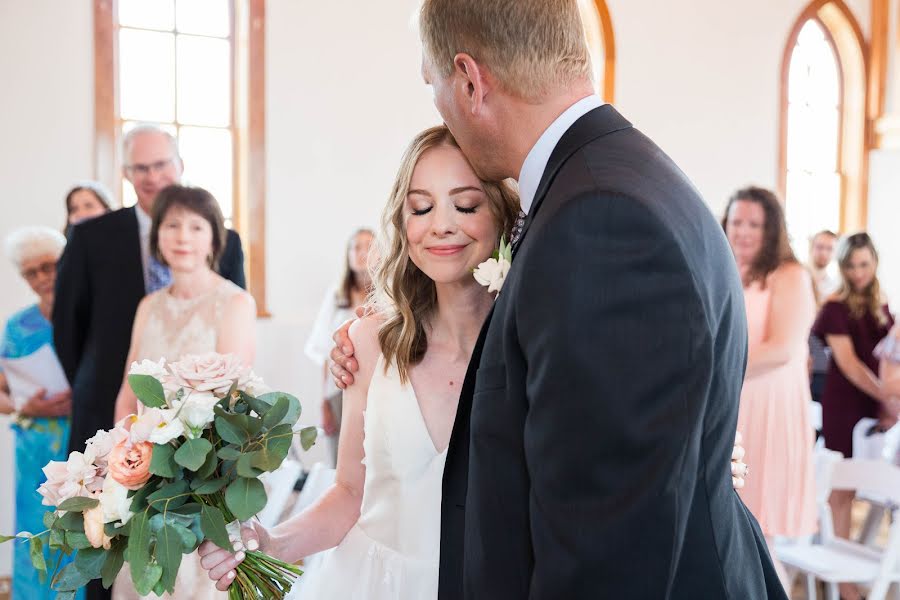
(774,414)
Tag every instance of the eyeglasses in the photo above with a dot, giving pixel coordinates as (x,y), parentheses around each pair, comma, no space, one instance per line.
(47,268)
(144,170)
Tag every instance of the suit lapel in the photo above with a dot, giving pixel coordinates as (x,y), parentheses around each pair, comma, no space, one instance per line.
(597,123)
(135,253)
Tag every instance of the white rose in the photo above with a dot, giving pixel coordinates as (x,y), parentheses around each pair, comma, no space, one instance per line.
(492,273)
(209,372)
(114,502)
(254,385)
(148,367)
(196,410)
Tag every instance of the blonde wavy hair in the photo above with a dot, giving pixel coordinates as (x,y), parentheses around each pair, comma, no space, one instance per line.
(403,295)
(869,300)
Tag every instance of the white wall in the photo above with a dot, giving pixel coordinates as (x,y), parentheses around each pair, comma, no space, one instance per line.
(344,96)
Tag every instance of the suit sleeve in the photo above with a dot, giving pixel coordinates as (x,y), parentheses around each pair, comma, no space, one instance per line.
(232,264)
(72,304)
(608,322)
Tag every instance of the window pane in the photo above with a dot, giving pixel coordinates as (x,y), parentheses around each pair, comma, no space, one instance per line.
(814,204)
(208,162)
(146,75)
(204,81)
(203,17)
(590,19)
(148,14)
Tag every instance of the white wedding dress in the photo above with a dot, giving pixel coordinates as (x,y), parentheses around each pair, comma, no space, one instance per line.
(392,552)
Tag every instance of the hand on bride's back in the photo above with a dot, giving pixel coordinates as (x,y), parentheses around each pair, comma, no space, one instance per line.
(220,564)
(342,363)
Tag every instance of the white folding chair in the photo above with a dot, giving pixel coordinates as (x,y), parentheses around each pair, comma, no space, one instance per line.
(835,560)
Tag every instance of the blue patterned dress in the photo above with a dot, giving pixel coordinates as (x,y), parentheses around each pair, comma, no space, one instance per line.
(44,440)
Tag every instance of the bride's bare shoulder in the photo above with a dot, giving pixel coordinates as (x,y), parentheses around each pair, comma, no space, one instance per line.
(364,337)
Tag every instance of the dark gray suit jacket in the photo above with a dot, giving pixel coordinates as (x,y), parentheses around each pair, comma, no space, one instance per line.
(591,453)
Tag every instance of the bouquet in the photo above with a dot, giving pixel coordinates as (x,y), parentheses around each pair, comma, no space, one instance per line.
(184,470)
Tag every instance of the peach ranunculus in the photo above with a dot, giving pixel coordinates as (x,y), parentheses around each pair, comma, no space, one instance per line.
(93,528)
(130,464)
(210,372)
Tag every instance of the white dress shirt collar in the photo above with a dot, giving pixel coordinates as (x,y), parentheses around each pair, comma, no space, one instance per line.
(536,161)
(144,221)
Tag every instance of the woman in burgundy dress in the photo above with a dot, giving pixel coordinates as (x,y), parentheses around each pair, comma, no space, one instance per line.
(852,322)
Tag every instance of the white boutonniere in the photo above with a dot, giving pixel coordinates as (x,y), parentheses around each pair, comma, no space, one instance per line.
(492,272)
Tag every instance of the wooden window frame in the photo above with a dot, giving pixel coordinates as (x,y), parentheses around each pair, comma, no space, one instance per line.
(845,36)
(248,121)
(608,86)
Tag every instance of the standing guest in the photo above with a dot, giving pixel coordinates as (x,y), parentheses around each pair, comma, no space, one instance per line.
(338,306)
(200,312)
(852,322)
(105,271)
(41,424)
(821,253)
(86,200)
(774,411)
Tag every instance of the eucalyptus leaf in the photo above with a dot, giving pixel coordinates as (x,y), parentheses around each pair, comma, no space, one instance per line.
(228,431)
(245,497)
(278,412)
(192,454)
(210,487)
(163,462)
(139,500)
(148,390)
(209,467)
(50,518)
(229,453)
(69,579)
(169,496)
(89,562)
(245,466)
(37,556)
(78,504)
(115,558)
(308,437)
(294,408)
(168,553)
(58,540)
(77,540)
(212,523)
(260,407)
(145,579)
(139,545)
(71,521)
(276,446)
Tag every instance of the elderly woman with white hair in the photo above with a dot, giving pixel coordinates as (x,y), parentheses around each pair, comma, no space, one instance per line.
(41,422)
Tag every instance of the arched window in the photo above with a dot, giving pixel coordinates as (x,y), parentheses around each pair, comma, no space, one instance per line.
(599,32)
(823,125)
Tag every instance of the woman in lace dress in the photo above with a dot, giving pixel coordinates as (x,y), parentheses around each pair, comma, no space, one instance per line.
(382,515)
(199,312)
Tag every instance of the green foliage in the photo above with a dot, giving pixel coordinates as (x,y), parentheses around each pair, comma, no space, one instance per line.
(148,390)
(213,524)
(192,453)
(168,552)
(115,558)
(308,437)
(163,461)
(245,497)
(169,496)
(78,504)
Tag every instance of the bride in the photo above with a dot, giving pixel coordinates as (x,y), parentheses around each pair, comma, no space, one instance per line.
(382,515)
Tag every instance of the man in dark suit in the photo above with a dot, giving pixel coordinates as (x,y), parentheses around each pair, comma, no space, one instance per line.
(103,274)
(590,454)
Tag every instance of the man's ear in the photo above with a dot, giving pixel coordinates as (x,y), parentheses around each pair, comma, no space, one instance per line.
(473,79)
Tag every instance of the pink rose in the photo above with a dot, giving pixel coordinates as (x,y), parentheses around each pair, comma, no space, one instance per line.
(93,528)
(209,372)
(130,464)
(78,476)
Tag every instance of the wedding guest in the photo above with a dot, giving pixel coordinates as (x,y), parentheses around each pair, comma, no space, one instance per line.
(821,253)
(86,200)
(339,305)
(774,410)
(105,271)
(41,424)
(198,313)
(852,322)
(888,352)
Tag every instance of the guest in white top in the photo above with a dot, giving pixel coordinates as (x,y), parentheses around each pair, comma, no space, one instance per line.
(338,306)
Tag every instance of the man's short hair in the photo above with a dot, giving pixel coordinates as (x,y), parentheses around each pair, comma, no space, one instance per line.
(532,46)
(148,128)
(825,232)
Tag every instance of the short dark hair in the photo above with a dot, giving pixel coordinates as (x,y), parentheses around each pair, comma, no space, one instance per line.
(193,199)
(776,247)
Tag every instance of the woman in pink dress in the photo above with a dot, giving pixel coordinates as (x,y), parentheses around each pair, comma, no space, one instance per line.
(774,413)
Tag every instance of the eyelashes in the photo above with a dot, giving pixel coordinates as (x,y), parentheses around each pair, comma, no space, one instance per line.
(425,211)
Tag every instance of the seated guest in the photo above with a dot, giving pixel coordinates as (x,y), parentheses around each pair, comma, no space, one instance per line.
(41,424)
(852,322)
(888,351)
(338,306)
(86,200)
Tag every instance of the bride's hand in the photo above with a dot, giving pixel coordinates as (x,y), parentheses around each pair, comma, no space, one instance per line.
(221,564)
(342,363)
(739,469)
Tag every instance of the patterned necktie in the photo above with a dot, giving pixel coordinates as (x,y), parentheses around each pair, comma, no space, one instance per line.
(516,233)
(158,275)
